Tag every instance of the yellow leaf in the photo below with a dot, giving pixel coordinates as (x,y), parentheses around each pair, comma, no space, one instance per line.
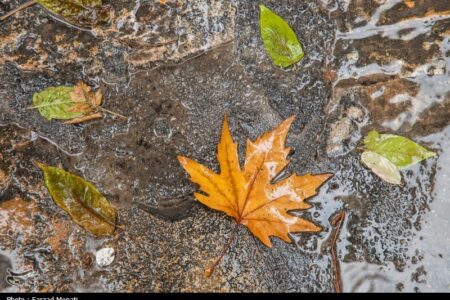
(247,194)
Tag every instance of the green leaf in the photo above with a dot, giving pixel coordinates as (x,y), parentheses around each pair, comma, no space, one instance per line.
(80,12)
(382,167)
(81,200)
(56,103)
(401,151)
(279,39)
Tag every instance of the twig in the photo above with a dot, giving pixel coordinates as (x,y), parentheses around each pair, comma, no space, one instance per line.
(202,52)
(210,270)
(17,9)
(112,113)
(336,222)
(140,43)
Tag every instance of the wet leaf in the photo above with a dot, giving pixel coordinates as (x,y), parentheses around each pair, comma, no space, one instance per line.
(81,200)
(82,93)
(279,39)
(401,151)
(56,103)
(79,12)
(247,194)
(76,104)
(381,166)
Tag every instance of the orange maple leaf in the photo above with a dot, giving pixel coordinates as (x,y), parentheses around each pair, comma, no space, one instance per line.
(247,194)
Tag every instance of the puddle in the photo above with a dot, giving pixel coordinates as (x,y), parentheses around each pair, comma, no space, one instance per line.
(401,94)
(390,75)
(429,268)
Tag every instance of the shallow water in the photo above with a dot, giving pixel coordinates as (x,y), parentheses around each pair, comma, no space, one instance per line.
(391,66)
(428,270)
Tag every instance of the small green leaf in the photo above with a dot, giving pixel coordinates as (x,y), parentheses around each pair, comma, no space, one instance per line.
(79,12)
(81,200)
(56,103)
(279,39)
(401,151)
(382,167)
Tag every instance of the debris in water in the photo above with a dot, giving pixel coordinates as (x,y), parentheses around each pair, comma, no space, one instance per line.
(336,222)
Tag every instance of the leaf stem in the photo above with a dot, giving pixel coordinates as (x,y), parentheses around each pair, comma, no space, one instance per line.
(210,270)
(112,113)
(17,9)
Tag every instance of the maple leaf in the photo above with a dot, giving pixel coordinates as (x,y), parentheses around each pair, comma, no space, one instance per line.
(248,194)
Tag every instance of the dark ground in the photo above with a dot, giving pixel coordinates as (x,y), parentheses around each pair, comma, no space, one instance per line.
(368,65)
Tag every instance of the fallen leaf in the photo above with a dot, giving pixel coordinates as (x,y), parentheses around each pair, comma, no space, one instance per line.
(401,151)
(247,194)
(382,166)
(76,104)
(279,39)
(56,103)
(79,12)
(81,200)
(82,93)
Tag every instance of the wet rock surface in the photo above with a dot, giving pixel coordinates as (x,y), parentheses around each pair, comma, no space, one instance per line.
(174,70)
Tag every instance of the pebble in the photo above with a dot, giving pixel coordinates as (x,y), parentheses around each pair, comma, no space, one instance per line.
(105,257)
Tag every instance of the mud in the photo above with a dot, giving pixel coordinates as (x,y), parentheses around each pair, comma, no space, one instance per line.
(174,70)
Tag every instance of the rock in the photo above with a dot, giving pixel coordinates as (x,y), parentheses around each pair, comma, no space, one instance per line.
(104,257)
